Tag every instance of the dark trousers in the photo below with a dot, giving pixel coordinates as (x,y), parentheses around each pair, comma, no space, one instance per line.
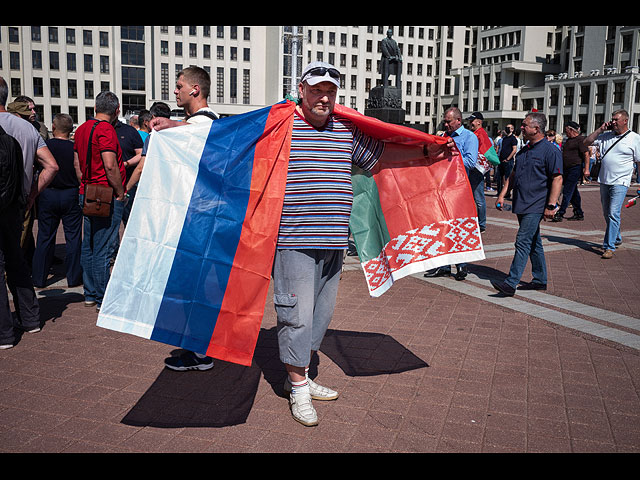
(503,172)
(571,177)
(55,205)
(18,278)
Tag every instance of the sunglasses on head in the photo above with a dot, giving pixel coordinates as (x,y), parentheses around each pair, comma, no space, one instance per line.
(321,72)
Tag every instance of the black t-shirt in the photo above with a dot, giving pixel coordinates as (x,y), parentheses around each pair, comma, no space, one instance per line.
(62,151)
(506,146)
(130,140)
(573,150)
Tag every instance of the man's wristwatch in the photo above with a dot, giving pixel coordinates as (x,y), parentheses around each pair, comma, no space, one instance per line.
(551,206)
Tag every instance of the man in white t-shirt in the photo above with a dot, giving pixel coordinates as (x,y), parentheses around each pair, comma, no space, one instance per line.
(619,149)
(192,89)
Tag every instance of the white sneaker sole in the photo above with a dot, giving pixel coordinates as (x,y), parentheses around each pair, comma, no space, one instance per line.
(306,420)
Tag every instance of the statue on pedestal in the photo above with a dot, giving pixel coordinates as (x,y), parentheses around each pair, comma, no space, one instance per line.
(391,60)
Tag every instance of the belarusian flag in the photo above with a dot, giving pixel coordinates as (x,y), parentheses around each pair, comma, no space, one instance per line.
(411,213)
(487,155)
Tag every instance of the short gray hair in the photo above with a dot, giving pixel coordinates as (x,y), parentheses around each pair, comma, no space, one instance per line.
(539,119)
(107,102)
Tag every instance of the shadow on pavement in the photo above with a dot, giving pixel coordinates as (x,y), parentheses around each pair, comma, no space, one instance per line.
(224,395)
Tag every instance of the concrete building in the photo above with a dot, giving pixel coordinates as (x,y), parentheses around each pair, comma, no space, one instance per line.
(63,68)
(580,73)
(598,75)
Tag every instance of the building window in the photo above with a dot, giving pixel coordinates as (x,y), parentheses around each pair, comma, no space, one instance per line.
(70,35)
(71,62)
(220,84)
(54,61)
(88,63)
(36,59)
(132,53)
(132,78)
(233,85)
(72,88)
(246,86)
(38,87)
(104,64)
(618,92)
(55,87)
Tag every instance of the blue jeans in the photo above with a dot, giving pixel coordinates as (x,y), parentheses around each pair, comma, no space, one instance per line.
(570,193)
(612,197)
(476,179)
(528,246)
(100,235)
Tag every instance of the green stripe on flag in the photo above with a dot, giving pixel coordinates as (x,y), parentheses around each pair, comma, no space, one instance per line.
(367,222)
(492,156)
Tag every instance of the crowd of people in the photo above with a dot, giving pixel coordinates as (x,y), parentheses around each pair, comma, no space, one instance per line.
(66,176)
(54,180)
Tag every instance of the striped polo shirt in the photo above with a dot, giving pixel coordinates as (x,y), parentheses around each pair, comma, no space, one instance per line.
(318,195)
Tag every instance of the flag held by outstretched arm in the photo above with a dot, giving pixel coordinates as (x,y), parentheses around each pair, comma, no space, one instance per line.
(412,212)
(194,264)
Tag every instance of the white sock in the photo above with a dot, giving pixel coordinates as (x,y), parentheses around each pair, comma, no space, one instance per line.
(299,387)
(199,355)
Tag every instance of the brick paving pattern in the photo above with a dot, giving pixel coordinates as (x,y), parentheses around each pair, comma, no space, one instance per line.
(431,366)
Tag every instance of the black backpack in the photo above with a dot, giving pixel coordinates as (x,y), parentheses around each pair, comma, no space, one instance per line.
(11,171)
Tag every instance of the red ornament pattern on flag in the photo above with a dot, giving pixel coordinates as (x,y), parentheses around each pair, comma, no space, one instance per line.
(417,247)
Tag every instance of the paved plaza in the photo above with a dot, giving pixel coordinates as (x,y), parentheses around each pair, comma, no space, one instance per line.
(432,366)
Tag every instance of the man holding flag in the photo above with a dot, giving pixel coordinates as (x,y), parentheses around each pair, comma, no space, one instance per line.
(313,230)
(467,144)
(269,195)
(487,157)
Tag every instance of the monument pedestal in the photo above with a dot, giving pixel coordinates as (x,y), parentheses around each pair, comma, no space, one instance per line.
(385,103)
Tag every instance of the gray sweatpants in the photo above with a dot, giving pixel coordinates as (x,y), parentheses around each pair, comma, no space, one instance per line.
(305,289)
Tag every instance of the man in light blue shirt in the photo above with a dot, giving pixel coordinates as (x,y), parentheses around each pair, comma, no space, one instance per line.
(467,143)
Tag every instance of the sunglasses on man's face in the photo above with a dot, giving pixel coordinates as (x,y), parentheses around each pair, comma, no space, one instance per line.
(321,72)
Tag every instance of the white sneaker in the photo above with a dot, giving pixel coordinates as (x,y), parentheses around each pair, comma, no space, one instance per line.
(6,347)
(318,392)
(302,409)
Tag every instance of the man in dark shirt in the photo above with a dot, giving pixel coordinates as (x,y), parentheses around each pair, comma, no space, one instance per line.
(574,154)
(536,180)
(59,201)
(131,144)
(508,150)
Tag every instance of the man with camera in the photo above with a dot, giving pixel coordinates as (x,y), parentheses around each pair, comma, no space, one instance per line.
(619,149)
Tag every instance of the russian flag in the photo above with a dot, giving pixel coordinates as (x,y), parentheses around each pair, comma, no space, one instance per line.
(194,264)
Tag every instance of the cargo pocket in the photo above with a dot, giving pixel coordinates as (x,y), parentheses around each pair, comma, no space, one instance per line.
(286,305)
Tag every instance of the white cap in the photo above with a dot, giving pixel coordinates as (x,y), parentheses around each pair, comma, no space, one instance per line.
(317,72)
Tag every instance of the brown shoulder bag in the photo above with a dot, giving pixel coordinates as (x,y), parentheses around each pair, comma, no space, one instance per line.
(97,198)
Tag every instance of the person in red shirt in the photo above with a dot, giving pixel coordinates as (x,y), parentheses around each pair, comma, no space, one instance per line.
(106,168)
